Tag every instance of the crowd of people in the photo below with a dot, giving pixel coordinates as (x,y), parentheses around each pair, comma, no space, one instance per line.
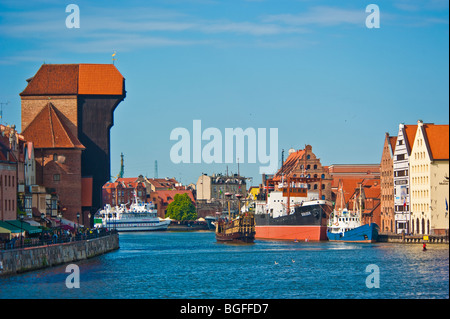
(53,236)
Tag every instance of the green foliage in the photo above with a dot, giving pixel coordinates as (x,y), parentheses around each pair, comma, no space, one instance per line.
(181,208)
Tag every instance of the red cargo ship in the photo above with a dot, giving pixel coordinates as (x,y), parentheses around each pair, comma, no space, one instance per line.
(307,222)
(292,213)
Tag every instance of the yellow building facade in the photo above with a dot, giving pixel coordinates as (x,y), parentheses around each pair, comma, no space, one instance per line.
(429,184)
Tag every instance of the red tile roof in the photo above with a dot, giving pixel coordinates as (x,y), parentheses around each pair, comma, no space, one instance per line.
(289,165)
(169,195)
(410,132)
(393,142)
(49,130)
(102,79)
(162,182)
(73,79)
(54,79)
(438,140)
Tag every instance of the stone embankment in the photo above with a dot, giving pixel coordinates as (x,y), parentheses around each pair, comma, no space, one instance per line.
(413,239)
(20,260)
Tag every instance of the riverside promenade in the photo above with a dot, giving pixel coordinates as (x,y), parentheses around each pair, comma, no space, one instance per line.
(412,239)
(52,253)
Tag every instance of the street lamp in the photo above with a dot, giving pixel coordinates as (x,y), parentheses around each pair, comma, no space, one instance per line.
(21,227)
(78,221)
(60,224)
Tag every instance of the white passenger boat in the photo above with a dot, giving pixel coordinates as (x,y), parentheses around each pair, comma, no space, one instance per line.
(139,217)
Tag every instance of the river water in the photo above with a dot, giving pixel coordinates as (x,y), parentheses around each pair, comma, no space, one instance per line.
(192,265)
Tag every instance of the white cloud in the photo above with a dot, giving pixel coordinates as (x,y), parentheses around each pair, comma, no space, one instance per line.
(322,16)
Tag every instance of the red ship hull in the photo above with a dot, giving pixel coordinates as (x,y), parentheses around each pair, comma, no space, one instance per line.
(288,232)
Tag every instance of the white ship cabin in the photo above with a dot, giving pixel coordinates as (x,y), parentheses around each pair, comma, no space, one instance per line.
(277,202)
(343,221)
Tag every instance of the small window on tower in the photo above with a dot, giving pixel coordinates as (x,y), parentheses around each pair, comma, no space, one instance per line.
(56,177)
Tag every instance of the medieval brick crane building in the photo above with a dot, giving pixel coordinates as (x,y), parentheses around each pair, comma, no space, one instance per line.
(67,111)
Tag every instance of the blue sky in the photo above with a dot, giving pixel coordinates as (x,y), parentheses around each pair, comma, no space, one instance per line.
(312,69)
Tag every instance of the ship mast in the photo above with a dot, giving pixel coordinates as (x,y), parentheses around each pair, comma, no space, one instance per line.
(360,204)
(228,195)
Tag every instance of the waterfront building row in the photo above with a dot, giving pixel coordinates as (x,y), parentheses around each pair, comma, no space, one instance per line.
(414,180)
(159,191)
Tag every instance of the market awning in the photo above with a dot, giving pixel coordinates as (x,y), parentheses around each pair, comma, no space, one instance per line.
(32,223)
(4,231)
(9,228)
(24,226)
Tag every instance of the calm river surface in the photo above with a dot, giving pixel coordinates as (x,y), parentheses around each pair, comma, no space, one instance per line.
(192,265)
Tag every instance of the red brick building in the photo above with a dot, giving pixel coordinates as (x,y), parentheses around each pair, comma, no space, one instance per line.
(82,99)
(163,198)
(8,181)
(304,163)
(58,158)
(123,190)
(387,185)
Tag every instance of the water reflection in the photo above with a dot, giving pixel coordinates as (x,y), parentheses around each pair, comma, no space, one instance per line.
(193,265)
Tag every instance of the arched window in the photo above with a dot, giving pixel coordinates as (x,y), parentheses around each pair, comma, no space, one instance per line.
(308,156)
(315,166)
(315,186)
(322,176)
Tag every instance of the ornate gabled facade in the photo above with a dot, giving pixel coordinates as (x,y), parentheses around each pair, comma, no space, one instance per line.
(304,163)
(387,221)
(429,163)
(401,170)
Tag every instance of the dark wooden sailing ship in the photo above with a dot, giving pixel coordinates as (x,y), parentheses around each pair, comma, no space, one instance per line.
(239,229)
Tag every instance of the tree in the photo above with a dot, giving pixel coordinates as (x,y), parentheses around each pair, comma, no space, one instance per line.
(181,208)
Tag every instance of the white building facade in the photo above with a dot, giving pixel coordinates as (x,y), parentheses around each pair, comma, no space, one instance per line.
(401,170)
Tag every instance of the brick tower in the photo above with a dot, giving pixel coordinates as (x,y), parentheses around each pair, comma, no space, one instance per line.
(76,103)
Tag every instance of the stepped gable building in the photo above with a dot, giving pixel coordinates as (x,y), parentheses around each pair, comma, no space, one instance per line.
(429,180)
(76,103)
(387,185)
(304,163)
(403,147)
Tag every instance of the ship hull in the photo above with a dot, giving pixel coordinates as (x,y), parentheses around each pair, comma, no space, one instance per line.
(362,234)
(235,238)
(289,232)
(239,230)
(138,226)
(306,223)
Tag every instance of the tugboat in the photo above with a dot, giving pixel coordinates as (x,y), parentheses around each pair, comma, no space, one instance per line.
(346,227)
(240,229)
